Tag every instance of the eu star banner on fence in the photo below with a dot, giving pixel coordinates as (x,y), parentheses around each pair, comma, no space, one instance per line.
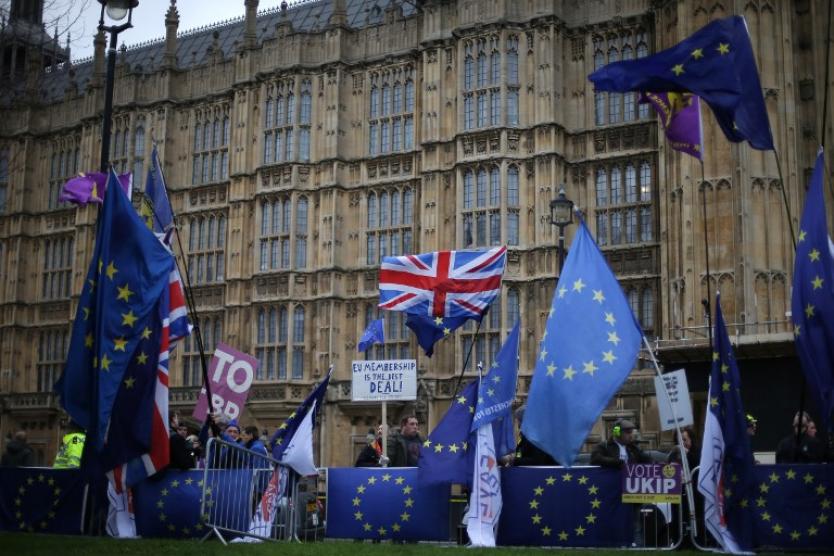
(366,503)
(554,506)
(793,506)
(169,505)
(38,500)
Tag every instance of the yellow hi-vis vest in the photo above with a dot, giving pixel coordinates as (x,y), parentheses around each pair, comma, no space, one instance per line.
(69,454)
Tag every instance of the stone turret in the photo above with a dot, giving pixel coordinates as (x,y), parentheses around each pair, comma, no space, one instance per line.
(250,32)
(172,21)
(99,43)
(339,15)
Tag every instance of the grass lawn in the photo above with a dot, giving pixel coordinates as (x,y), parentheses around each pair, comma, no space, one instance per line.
(56,545)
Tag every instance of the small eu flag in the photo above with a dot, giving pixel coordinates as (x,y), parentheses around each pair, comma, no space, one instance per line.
(374,334)
(726,467)
(497,393)
(812,304)
(117,331)
(429,330)
(717,64)
(590,343)
(445,456)
(157,208)
(282,437)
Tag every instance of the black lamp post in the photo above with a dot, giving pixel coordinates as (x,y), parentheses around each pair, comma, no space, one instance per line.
(561,215)
(116,10)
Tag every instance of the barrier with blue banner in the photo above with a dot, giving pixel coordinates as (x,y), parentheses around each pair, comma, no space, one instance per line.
(793,506)
(556,506)
(42,500)
(371,503)
(543,506)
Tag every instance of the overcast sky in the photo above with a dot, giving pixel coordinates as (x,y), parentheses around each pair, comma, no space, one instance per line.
(81,16)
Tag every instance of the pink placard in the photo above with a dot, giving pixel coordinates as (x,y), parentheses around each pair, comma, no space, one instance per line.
(230,374)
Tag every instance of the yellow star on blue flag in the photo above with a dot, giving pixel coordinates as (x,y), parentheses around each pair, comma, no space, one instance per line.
(813,297)
(590,345)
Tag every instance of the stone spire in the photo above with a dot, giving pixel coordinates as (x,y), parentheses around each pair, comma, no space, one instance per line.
(250,33)
(98,60)
(339,15)
(172,21)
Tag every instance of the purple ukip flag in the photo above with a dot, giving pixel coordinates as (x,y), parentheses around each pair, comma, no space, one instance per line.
(680,115)
(89,188)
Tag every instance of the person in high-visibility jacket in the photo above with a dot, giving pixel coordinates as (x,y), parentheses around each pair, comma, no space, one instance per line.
(72,446)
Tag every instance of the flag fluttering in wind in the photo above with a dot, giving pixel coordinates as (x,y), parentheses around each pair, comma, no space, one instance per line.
(90,187)
(717,64)
(726,467)
(440,291)
(118,353)
(284,436)
(492,418)
(590,344)
(446,456)
(812,306)
(374,334)
(680,116)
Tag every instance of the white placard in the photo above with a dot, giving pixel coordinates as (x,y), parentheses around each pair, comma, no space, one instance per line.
(385,380)
(678,390)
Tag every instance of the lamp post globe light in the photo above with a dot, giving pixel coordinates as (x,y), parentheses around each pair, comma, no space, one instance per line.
(116,10)
(561,215)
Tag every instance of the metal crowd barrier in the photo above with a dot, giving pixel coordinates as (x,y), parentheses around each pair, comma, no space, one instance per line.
(701,538)
(247,496)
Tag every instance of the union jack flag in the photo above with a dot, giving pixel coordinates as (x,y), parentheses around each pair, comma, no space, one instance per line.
(443,284)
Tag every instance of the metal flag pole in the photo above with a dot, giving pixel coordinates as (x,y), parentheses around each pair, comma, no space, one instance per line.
(687,476)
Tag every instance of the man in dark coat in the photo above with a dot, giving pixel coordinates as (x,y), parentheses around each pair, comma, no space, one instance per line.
(620,448)
(810,449)
(18,453)
(405,446)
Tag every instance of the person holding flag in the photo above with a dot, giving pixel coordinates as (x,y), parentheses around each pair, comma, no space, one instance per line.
(726,467)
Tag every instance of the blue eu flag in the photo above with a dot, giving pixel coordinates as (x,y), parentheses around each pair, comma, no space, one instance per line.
(157,208)
(367,503)
(283,435)
(590,343)
(812,305)
(547,506)
(497,393)
(374,334)
(430,330)
(717,64)
(117,319)
(38,500)
(726,468)
(793,506)
(446,456)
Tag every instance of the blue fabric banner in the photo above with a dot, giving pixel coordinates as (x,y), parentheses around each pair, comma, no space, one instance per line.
(367,503)
(40,500)
(555,506)
(793,506)
(168,505)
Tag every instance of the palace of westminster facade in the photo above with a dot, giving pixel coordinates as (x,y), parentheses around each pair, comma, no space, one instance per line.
(302,144)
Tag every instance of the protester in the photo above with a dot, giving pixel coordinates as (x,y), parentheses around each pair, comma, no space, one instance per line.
(181,456)
(371,454)
(250,440)
(405,446)
(752,425)
(72,446)
(693,452)
(192,441)
(621,448)
(810,448)
(527,453)
(18,452)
